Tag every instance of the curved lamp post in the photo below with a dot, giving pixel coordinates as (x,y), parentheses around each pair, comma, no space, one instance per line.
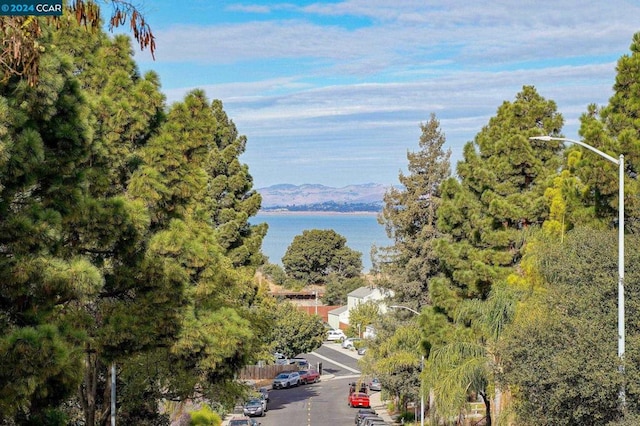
(620,163)
(421,365)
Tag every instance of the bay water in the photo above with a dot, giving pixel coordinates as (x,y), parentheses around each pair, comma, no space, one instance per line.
(361,231)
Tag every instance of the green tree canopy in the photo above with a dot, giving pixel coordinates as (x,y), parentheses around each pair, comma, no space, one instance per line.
(560,355)
(315,254)
(409,216)
(115,250)
(337,289)
(362,315)
(295,332)
(486,217)
(613,129)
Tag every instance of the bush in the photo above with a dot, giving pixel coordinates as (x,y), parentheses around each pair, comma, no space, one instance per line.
(205,417)
(274,273)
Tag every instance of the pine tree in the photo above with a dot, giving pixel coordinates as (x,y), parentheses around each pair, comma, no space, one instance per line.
(409,217)
(614,129)
(486,219)
(233,200)
(46,280)
(180,168)
(503,176)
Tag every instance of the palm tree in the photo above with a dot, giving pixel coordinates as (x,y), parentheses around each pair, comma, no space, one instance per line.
(470,363)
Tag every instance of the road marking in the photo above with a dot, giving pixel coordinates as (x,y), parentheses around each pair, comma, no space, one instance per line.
(346,367)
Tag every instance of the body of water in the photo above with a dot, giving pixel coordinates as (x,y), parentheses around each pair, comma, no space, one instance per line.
(361,230)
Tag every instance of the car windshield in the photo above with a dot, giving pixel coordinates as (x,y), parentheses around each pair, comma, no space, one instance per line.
(254,402)
(239,423)
(282,376)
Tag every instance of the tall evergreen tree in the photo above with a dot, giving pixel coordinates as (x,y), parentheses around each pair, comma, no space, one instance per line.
(47,274)
(614,129)
(231,194)
(486,216)
(98,232)
(409,217)
(179,170)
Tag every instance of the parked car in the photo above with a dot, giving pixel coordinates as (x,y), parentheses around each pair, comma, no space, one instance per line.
(364,412)
(368,417)
(243,421)
(265,393)
(362,350)
(254,407)
(335,335)
(355,387)
(375,384)
(302,363)
(286,380)
(350,342)
(359,399)
(373,421)
(309,376)
(264,400)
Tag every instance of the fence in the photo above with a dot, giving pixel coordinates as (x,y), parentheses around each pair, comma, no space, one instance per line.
(263,372)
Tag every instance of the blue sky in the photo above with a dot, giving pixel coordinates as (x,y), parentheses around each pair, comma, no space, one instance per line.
(333,92)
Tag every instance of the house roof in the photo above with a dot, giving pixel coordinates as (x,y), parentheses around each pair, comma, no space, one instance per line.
(361,292)
(338,311)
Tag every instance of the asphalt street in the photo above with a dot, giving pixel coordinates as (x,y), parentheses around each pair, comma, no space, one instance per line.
(323,403)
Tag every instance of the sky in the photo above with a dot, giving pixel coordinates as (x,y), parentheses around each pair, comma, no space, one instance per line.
(334,92)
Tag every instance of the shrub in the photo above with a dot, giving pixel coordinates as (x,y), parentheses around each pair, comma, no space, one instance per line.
(205,417)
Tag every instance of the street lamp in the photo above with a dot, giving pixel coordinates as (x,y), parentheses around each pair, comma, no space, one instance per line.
(620,163)
(421,365)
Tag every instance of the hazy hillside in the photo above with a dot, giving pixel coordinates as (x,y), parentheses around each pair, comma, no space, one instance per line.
(320,197)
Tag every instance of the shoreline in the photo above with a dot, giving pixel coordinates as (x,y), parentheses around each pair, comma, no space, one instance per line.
(314,212)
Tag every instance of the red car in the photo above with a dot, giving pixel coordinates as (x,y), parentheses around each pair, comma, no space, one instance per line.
(359,399)
(309,376)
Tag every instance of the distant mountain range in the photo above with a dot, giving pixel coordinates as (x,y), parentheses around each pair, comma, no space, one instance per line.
(314,197)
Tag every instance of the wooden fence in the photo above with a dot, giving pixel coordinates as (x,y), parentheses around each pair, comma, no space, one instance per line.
(263,372)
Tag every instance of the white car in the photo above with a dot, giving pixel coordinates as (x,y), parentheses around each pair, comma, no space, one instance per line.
(335,335)
(350,342)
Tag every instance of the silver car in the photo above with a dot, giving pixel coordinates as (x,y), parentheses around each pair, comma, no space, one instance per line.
(375,384)
(254,407)
(286,380)
(243,421)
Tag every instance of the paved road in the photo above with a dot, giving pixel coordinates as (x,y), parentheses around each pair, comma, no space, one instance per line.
(320,404)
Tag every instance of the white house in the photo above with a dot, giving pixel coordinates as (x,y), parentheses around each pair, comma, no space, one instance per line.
(339,317)
(366,294)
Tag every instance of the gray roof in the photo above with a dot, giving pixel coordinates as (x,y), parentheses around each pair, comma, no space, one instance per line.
(338,311)
(361,292)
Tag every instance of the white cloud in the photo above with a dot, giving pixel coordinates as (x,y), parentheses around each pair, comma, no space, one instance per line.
(349,82)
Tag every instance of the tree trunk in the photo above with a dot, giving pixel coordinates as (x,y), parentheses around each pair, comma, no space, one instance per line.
(487,407)
(497,401)
(87,391)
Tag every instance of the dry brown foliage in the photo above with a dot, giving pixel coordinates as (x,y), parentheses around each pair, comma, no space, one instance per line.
(20,50)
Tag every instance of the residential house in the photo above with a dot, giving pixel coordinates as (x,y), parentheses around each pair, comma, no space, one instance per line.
(339,318)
